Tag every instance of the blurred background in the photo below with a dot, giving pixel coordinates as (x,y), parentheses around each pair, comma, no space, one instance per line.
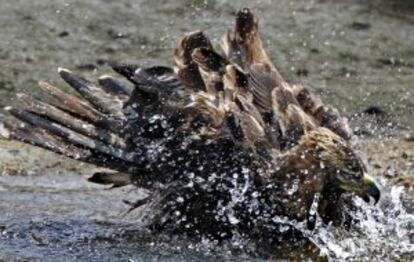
(359,55)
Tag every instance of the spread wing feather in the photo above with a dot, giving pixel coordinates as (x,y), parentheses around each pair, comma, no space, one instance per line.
(239,95)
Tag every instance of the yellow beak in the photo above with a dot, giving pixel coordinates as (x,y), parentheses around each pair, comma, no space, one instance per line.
(369,189)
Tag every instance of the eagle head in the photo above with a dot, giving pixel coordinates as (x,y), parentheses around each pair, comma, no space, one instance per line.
(325,164)
(339,164)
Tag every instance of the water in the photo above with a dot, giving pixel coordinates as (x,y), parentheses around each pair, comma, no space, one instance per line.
(384,232)
(52,214)
(70,220)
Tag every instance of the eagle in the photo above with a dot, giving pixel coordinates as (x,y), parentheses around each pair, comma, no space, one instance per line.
(220,141)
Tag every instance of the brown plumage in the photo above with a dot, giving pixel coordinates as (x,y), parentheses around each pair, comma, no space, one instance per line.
(212,138)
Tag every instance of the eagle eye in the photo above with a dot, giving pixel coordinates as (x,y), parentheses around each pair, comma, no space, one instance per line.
(351,173)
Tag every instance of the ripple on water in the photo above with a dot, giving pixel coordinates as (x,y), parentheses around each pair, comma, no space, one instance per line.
(384,232)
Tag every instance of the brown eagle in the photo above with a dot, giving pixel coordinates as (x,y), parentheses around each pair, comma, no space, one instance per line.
(221,141)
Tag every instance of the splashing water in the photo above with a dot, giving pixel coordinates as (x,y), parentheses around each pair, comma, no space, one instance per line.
(384,232)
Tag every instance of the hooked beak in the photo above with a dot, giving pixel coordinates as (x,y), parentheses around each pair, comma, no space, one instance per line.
(369,189)
(365,189)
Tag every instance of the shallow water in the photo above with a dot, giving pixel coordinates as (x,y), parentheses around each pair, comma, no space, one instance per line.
(62,217)
(357,54)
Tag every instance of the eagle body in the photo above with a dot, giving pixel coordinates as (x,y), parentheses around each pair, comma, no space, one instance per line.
(221,141)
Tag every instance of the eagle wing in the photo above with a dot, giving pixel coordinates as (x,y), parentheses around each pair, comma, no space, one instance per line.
(237,95)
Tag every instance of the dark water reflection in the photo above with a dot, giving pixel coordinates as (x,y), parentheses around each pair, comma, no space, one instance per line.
(63,218)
